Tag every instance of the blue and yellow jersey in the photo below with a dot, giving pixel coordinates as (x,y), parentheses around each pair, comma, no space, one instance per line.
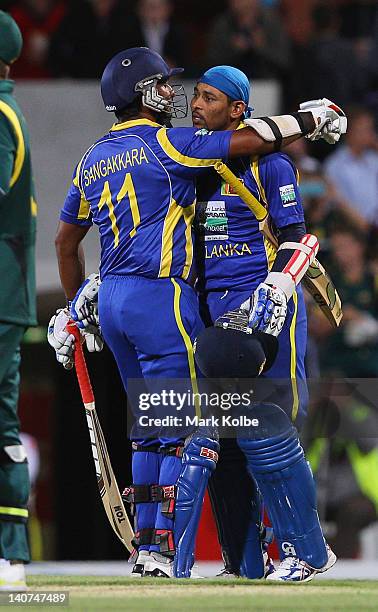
(231,251)
(136,183)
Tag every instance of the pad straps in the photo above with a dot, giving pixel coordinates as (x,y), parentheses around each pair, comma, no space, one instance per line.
(143,494)
(173,451)
(159,537)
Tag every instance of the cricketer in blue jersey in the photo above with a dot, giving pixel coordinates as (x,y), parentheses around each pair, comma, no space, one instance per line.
(137,184)
(234,259)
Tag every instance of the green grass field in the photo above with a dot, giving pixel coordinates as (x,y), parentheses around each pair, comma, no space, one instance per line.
(89,593)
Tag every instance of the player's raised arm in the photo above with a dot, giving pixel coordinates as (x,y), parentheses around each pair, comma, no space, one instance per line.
(268,134)
(320,119)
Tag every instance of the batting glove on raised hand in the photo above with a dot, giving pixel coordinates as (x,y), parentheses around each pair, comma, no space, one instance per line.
(267,309)
(329,117)
(84,311)
(61,340)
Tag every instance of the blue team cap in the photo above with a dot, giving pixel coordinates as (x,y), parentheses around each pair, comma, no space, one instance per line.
(231,81)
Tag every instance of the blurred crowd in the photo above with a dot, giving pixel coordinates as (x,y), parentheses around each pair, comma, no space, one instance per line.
(340,197)
(313,48)
(305,44)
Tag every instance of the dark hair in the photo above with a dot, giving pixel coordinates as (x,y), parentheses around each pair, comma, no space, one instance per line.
(131,111)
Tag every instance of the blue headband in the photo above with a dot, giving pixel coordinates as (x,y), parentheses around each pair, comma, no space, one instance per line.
(231,81)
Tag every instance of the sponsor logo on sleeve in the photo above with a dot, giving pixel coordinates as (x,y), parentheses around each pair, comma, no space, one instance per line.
(288,197)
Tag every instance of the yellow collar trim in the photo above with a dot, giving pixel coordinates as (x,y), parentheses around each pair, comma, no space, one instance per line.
(128,124)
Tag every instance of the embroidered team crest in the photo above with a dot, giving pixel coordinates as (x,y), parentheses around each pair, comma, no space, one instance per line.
(228,190)
(288,197)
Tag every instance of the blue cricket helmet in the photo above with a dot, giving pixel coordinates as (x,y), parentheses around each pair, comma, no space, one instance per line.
(228,353)
(133,72)
(231,350)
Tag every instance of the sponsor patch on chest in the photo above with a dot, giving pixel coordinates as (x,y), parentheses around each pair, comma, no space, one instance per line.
(216,223)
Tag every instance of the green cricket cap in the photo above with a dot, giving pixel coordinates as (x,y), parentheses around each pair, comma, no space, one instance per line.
(10,38)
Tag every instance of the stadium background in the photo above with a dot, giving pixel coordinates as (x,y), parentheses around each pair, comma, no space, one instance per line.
(65,114)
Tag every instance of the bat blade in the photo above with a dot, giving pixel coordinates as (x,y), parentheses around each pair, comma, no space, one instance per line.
(106,481)
(108,488)
(319,284)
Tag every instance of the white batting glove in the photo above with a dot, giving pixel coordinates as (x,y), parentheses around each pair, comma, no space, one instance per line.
(84,311)
(330,120)
(84,306)
(267,309)
(62,342)
(93,339)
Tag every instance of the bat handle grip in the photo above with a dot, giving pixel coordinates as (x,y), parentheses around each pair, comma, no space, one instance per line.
(80,365)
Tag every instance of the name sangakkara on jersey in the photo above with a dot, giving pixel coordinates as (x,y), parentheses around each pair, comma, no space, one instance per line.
(113,164)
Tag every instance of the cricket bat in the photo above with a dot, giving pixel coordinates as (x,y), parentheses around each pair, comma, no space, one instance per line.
(106,480)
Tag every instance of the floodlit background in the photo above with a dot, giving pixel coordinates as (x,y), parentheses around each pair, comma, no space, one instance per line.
(292,50)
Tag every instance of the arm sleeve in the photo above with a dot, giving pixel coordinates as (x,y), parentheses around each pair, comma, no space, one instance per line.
(290,233)
(76,208)
(7,155)
(280,184)
(187,151)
